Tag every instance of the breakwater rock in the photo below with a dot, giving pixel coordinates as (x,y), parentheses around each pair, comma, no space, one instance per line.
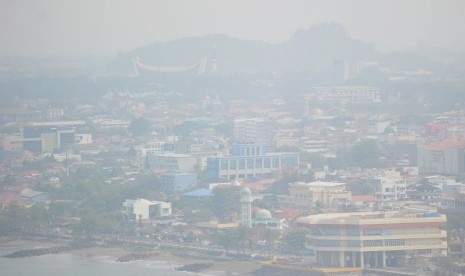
(52,250)
(194,267)
(137,256)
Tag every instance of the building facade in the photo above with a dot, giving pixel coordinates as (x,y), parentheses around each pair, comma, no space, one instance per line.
(172,162)
(250,161)
(253,130)
(304,196)
(389,189)
(178,182)
(348,94)
(246,208)
(145,209)
(375,239)
(445,157)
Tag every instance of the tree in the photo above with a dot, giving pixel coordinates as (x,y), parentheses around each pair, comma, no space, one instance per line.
(225,202)
(360,187)
(245,237)
(316,160)
(226,239)
(295,241)
(192,216)
(282,185)
(139,126)
(365,154)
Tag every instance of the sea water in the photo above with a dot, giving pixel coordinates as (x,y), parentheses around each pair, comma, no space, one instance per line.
(73,265)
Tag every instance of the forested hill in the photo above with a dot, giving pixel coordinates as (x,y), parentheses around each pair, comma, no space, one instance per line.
(316,48)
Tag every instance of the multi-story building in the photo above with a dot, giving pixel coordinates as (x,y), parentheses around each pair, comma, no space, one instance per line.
(445,157)
(250,161)
(388,189)
(253,130)
(348,94)
(453,202)
(178,182)
(304,196)
(375,239)
(145,209)
(172,162)
(50,136)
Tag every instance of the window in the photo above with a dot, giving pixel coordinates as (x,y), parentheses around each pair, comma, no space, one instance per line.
(394,242)
(275,162)
(353,243)
(328,243)
(372,232)
(241,164)
(267,163)
(249,163)
(224,164)
(353,232)
(259,163)
(332,232)
(233,164)
(372,243)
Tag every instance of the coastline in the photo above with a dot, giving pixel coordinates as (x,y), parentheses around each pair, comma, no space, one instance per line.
(161,258)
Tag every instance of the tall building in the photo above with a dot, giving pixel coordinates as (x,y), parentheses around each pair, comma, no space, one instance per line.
(41,137)
(253,130)
(246,208)
(178,182)
(348,94)
(375,239)
(250,161)
(445,157)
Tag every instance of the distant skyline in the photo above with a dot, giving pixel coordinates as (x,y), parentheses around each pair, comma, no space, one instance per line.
(64,28)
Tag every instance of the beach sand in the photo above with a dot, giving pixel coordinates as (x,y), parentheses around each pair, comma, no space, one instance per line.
(223,268)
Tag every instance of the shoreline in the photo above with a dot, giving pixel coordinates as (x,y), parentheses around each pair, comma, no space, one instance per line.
(161,257)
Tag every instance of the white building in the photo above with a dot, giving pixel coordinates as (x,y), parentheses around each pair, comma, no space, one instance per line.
(389,188)
(348,94)
(83,138)
(253,130)
(246,208)
(145,209)
(304,196)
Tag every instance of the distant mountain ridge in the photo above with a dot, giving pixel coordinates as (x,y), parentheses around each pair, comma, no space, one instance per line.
(311,50)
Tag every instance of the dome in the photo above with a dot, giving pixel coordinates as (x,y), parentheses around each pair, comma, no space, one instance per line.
(246,191)
(263,214)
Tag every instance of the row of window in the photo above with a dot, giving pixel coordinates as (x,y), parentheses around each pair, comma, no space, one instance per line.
(336,243)
(350,232)
(258,163)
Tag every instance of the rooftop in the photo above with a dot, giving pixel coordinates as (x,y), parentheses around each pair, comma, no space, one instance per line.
(320,184)
(402,216)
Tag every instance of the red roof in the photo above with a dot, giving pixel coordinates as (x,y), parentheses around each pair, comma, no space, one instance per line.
(258,185)
(289,214)
(446,145)
(8,198)
(363,198)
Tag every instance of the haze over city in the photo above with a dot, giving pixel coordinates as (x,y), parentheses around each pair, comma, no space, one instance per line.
(260,138)
(79,28)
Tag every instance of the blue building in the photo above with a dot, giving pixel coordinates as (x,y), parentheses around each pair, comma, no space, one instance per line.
(250,161)
(178,182)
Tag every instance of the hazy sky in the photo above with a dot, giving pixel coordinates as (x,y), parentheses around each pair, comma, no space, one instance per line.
(94,27)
